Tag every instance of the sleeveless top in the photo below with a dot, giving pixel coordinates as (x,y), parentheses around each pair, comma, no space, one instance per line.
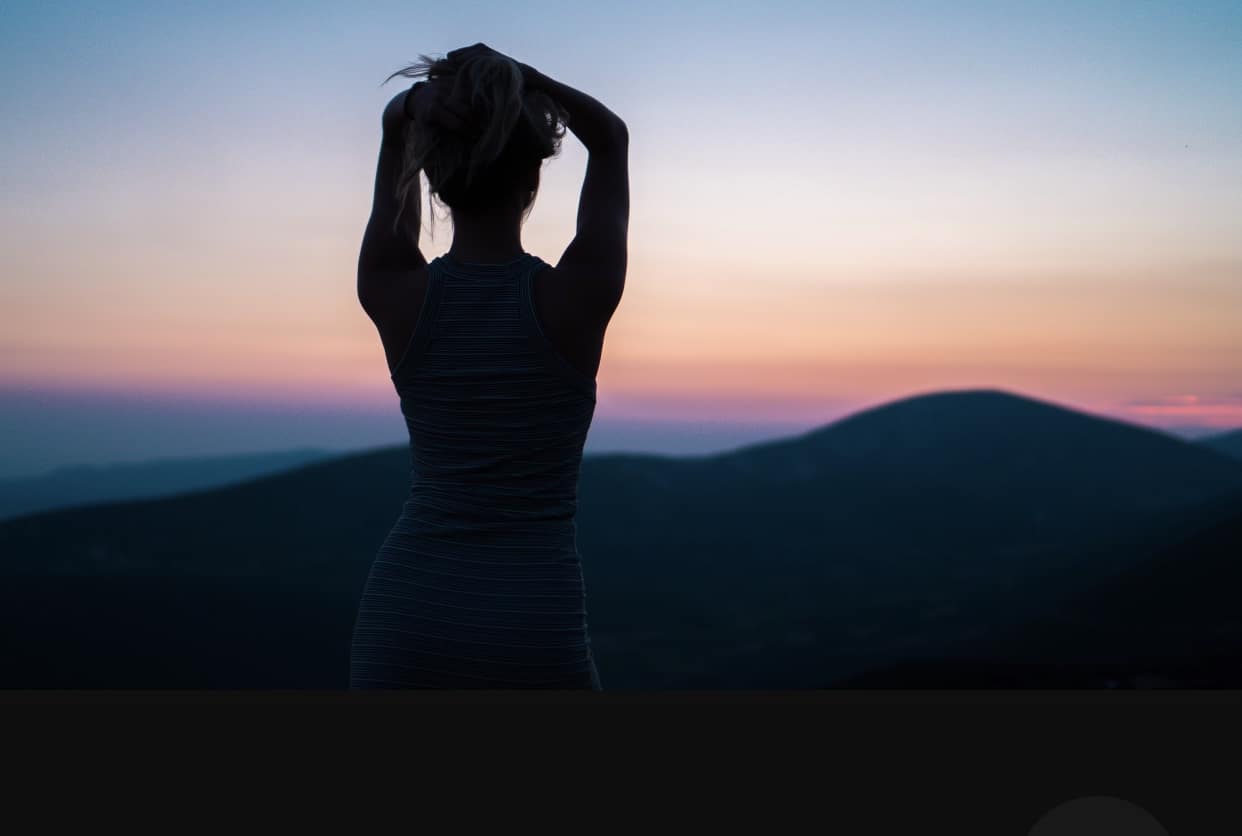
(479,581)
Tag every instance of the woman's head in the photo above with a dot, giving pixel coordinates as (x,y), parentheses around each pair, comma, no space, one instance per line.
(495,161)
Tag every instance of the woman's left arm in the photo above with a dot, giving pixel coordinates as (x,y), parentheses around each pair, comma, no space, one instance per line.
(387,256)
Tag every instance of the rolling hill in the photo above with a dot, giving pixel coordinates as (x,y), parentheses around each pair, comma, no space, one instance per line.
(1171,619)
(68,487)
(899,533)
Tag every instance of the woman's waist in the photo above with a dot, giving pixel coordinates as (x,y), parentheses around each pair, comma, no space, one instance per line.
(545,528)
(481,560)
(491,503)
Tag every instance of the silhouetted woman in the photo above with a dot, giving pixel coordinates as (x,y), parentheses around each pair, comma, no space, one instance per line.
(493,353)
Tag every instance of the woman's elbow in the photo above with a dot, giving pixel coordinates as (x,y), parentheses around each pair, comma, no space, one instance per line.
(621,131)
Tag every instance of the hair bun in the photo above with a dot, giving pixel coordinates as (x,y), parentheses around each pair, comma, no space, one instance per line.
(513,128)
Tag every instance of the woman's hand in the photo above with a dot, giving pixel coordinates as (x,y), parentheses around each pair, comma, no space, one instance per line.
(458,55)
(437,104)
(529,73)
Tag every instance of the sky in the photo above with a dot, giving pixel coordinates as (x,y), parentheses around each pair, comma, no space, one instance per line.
(833,205)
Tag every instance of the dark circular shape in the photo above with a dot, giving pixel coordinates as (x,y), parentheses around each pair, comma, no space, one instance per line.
(1095,815)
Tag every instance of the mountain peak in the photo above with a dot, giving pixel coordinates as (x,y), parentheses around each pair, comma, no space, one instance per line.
(991,441)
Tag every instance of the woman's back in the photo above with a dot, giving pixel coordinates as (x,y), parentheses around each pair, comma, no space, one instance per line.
(480,578)
(497,418)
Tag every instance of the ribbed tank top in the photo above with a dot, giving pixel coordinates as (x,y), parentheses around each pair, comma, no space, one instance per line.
(479,582)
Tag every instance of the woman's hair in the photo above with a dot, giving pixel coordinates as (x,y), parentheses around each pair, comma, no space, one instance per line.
(518,129)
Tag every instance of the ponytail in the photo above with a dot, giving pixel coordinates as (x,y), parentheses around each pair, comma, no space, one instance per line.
(517,129)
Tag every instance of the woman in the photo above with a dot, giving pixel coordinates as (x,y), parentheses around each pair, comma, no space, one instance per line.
(493,353)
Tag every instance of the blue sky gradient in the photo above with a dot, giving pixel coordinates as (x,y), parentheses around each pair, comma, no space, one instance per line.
(833,204)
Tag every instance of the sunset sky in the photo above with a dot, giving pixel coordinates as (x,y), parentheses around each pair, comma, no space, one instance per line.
(833,205)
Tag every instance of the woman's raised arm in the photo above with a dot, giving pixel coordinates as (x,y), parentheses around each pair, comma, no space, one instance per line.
(388,254)
(598,251)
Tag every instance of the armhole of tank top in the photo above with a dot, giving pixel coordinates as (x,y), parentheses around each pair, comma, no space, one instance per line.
(422,325)
(535,333)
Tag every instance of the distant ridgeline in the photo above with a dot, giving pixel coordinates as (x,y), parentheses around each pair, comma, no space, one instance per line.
(1228,443)
(964,539)
(69,487)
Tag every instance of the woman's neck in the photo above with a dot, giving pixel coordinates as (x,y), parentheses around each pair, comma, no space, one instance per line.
(486,239)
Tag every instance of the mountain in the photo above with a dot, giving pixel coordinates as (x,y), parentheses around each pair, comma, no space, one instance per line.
(899,533)
(922,523)
(87,484)
(1229,443)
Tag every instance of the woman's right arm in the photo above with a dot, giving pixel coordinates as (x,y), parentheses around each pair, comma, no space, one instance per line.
(598,252)
(597,126)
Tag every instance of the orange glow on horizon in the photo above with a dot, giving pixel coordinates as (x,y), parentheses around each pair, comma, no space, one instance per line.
(721,340)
